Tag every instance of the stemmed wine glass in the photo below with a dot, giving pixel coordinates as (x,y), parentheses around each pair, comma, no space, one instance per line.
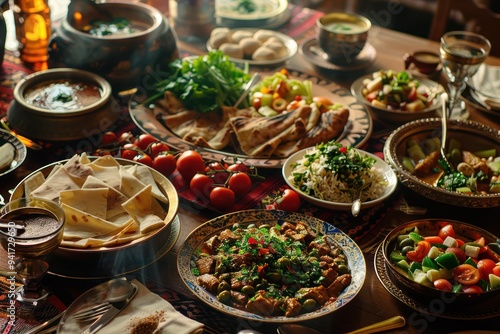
(34,229)
(462,53)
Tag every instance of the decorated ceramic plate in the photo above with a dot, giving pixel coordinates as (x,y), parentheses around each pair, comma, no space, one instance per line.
(14,151)
(287,42)
(356,132)
(469,313)
(386,171)
(189,251)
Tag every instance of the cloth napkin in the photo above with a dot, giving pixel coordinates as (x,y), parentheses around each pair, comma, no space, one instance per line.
(149,309)
(485,84)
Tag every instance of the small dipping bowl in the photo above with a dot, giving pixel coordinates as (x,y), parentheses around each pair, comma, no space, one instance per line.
(342,36)
(426,62)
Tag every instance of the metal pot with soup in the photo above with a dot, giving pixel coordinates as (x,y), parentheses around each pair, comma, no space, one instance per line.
(342,36)
(62,104)
(126,43)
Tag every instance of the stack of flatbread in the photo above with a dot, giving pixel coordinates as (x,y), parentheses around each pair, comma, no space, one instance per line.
(248,132)
(105,203)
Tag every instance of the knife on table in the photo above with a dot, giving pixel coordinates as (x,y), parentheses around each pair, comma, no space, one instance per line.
(115,308)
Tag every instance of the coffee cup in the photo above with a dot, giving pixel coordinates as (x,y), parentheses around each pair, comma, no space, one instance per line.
(426,62)
(342,36)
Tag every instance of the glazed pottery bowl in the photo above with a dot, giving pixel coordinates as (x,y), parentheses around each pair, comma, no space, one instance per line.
(342,36)
(125,59)
(431,227)
(62,104)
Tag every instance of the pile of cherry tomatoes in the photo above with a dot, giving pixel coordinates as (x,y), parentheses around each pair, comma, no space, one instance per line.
(217,182)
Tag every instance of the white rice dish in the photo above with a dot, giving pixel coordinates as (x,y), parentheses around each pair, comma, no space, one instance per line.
(334,173)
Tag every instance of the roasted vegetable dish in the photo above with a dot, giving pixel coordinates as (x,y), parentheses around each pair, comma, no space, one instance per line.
(471,172)
(279,270)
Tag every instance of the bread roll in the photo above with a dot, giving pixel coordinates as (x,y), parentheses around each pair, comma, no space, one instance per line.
(264,53)
(238,35)
(263,35)
(249,45)
(232,50)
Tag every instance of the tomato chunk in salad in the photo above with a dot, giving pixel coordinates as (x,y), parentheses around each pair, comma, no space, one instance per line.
(448,262)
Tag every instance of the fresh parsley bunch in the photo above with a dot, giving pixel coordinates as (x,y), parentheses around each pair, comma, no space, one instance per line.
(205,83)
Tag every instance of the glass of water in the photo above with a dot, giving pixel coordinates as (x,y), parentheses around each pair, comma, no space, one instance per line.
(462,53)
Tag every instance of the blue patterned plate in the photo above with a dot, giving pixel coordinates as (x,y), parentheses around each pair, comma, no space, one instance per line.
(187,254)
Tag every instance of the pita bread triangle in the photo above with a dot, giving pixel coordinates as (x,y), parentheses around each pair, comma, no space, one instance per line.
(57,182)
(77,170)
(143,173)
(141,208)
(92,200)
(115,198)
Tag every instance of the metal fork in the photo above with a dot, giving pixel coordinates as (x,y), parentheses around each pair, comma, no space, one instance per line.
(85,315)
(91,313)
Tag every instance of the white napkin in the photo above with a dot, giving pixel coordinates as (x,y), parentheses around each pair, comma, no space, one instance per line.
(485,84)
(148,307)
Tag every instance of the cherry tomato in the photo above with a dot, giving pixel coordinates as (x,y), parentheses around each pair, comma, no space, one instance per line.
(189,163)
(145,140)
(129,151)
(240,183)
(238,167)
(472,289)
(419,252)
(158,147)
(496,270)
(108,138)
(460,254)
(485,267)
(322,103)
(446,231)
(222,198)
(126,137)
(443,284)
(165,163)
(289,201)
(202,185)
(143,158)
(466,274)
(220,177)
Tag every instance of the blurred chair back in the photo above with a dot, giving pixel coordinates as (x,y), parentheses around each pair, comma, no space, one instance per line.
(475,15)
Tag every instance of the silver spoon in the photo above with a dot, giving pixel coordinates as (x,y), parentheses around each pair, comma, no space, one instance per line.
(444,131)
(356,204)
(255,78)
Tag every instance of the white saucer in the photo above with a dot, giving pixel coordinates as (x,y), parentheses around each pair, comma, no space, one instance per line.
(313,53)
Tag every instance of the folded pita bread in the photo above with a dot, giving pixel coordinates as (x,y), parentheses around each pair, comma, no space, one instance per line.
(57,182)
(141,207)
(143,174)
(92,201)
(260,137)
(115,198)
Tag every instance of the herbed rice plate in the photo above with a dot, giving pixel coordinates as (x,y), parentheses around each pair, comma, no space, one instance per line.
(330,175)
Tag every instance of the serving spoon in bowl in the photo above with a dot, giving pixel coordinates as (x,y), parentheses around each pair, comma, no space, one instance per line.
(444,131)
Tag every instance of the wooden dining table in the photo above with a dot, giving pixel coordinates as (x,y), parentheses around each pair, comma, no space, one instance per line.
(374,302)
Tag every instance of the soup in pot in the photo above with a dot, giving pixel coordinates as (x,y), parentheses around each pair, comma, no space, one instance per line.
(63,95)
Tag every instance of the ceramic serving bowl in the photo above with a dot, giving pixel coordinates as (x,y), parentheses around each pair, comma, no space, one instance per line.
(125,59)
(342,36)
(472,136)
(62,104)
(431,295)
(388,174)
(398,116)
